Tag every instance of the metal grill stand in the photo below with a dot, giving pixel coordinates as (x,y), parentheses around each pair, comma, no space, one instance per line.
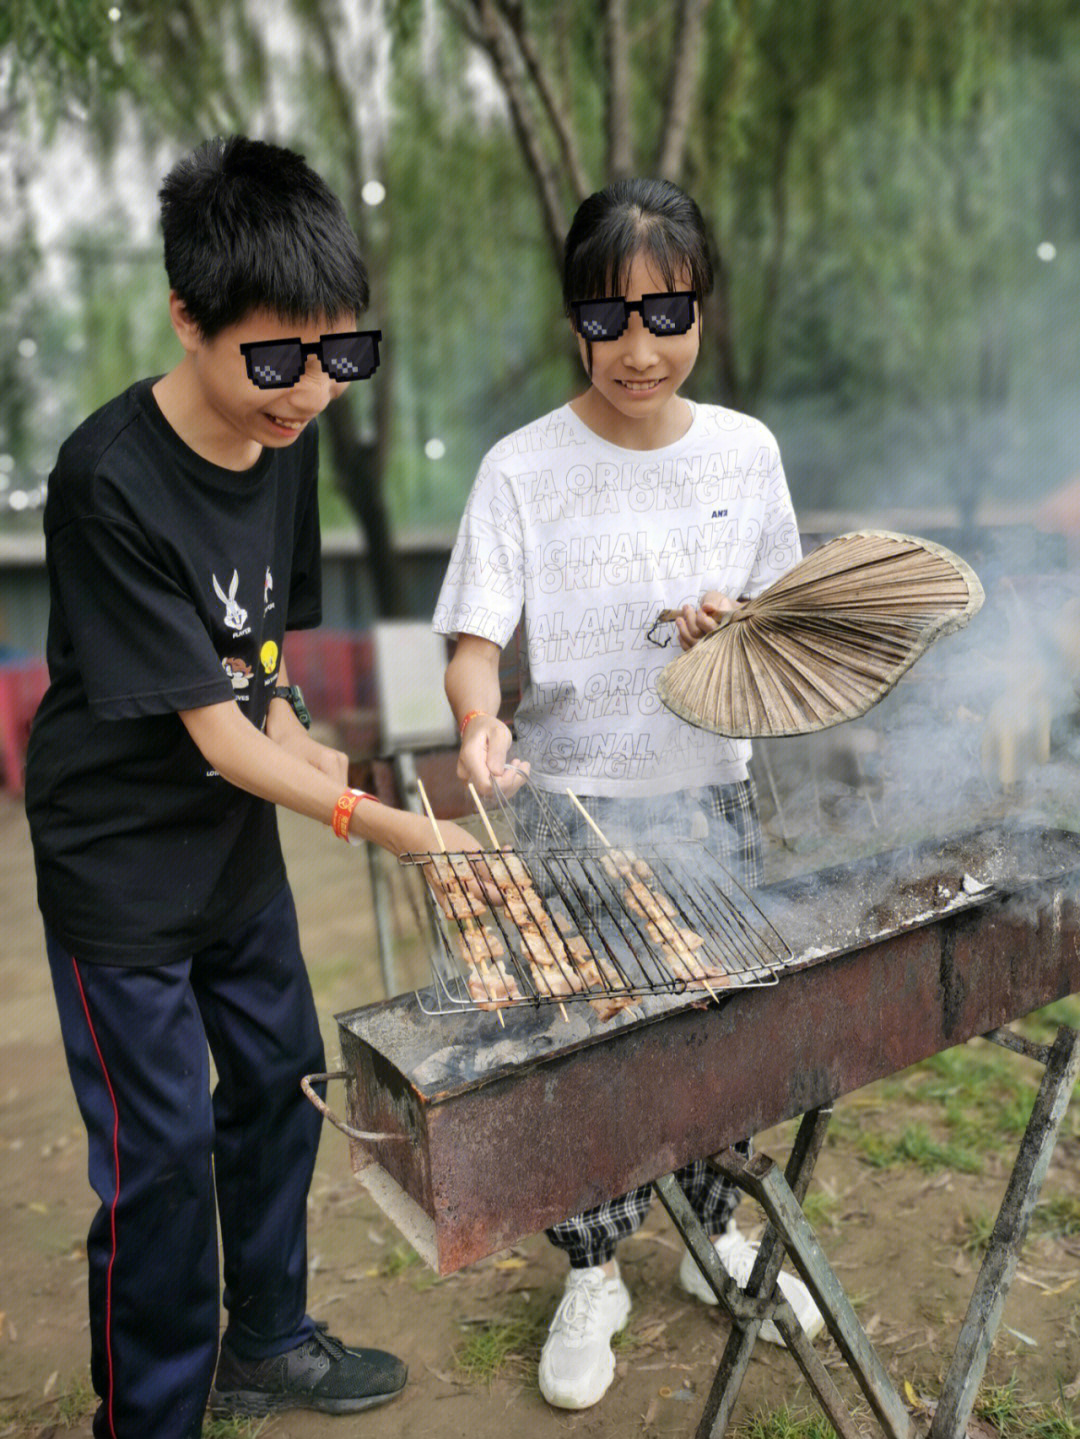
(781,1196)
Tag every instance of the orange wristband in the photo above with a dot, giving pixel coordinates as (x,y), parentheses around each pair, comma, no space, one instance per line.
(473,714)
(343,811)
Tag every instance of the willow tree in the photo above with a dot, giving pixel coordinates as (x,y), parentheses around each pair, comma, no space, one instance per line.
(829,143)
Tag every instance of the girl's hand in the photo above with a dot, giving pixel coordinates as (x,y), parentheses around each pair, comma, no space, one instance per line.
(694,625)
(482,758)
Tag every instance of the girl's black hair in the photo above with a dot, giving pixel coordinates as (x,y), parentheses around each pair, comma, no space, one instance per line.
(629,218)
(249,226)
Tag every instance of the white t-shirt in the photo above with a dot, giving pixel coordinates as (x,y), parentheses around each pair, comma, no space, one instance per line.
(594,540)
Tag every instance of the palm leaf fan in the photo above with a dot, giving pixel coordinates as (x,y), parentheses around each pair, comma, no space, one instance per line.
(825,642)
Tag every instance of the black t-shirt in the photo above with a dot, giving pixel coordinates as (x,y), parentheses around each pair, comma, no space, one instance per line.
(172,582)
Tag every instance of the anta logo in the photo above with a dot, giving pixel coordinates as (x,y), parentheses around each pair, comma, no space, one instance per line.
(718,514)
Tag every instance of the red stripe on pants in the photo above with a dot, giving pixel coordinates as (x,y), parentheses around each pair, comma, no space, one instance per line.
(115,1201)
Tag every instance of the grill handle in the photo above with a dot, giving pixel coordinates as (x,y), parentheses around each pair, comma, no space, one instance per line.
(327,1113)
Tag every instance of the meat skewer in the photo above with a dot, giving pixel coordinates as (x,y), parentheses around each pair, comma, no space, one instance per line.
(470,930)
(525,890)
(677,943)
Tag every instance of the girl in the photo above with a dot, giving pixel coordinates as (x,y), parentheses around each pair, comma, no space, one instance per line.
(626,501)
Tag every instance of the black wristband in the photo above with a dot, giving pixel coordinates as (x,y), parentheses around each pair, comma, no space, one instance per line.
(292,696)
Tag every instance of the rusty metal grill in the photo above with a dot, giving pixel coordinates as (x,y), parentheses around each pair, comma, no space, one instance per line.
(574,924)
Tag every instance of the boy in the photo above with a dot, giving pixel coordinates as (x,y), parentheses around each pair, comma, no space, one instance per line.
(182,537)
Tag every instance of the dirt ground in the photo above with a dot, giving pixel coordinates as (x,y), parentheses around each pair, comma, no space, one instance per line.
(892,1234)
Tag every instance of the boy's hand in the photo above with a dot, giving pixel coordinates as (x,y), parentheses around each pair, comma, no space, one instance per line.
(417,836)
(283,727)
(298,742)
(333,762)
(694,625)
(482,757)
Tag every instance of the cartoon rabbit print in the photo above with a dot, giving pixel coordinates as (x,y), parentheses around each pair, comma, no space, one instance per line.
(235,614)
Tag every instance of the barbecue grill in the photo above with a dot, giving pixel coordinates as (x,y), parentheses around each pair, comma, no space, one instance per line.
(567,926)
(892,959)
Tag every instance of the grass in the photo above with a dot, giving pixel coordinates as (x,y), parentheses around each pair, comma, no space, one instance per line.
(1017,1418)
(77,1401)
(233,1428)
(913,1145)
(786,1424)
(73,1403)
(1057,1215)
(820,1208)
(970,1101)
(490,1348)
(399,1261)
(999,1405)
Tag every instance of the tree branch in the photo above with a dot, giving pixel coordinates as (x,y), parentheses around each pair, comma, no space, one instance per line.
(682,87)
(494,39)
(774,263)
(620,154)
(514,14)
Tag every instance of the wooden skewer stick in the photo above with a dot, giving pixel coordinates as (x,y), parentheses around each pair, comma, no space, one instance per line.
(430,813)
(482,812)
(602,837)
(467,923)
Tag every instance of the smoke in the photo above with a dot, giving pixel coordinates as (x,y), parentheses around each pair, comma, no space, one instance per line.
(983,730)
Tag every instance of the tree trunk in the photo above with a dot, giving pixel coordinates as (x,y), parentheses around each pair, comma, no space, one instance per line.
(359,467)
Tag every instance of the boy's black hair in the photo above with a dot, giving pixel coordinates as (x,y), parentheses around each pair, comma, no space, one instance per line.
(249,226)
(628,218)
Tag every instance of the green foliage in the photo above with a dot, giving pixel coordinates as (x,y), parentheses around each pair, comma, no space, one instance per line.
(877,181)
(1017,1418)
(492,1347)
(785,1423)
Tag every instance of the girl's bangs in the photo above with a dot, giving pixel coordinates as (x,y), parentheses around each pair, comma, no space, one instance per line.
(604,269)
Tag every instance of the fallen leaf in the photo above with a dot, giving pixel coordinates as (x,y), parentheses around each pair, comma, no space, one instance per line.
(1023,1338)
(514,1262)
(1061,1288)
(50,1384)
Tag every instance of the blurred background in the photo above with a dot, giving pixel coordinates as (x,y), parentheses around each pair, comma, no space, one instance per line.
(894,194)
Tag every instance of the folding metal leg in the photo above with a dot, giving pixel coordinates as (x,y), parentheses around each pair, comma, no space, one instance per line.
(740,1346)
(382,899)
(761,1178)
(748,1311)
(781,1197)
(1003,1252)
(382,903)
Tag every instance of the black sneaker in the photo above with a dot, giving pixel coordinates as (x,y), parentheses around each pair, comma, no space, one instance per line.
(321,1373)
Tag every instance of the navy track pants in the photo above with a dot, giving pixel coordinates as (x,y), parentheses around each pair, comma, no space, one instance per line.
(160,1146)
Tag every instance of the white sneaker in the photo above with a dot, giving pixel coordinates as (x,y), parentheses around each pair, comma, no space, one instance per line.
(577,1365)
(737,1255)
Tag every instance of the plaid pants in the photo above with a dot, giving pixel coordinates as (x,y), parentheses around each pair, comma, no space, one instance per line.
(730,814)
(590,1238)
(725,814)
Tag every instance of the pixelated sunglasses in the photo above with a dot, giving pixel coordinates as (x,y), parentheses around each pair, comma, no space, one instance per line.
(668,314)
(347,355)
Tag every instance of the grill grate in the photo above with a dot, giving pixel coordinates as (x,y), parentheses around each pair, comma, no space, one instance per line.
(605,925)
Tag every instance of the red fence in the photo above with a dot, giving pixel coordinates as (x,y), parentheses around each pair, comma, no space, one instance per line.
(335,670)
(22,684)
